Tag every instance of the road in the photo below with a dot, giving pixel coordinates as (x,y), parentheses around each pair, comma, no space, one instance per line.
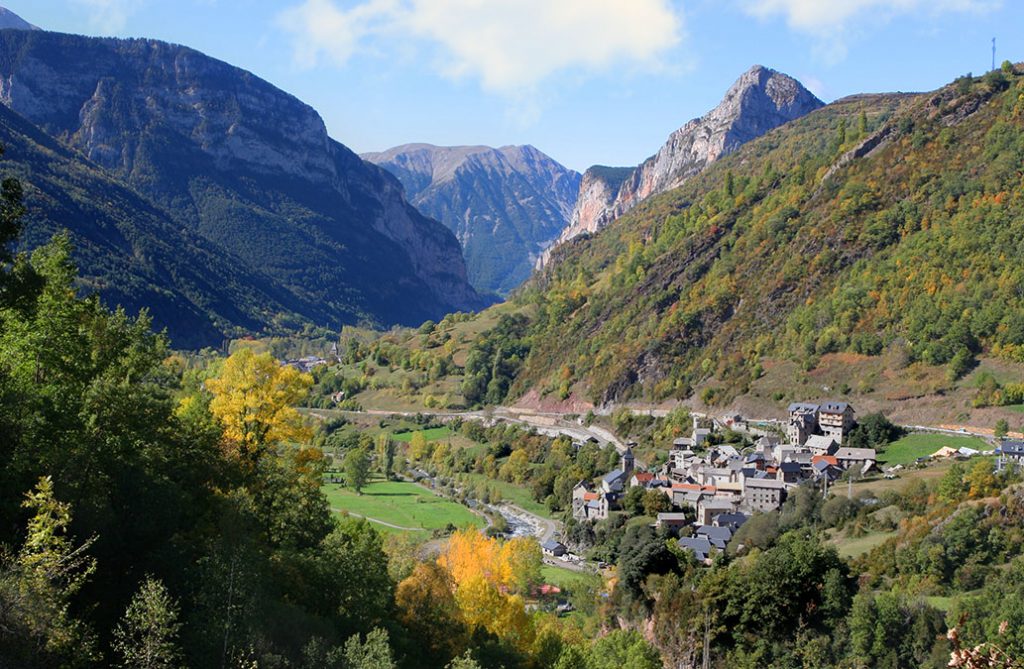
(552,425)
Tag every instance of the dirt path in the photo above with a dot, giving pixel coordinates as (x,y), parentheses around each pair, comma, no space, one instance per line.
(380,522)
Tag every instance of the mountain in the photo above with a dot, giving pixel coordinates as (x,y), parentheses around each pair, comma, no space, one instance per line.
(879,225)
(760,100)
(505,205)
(10,20)
(131,252)
(248,168)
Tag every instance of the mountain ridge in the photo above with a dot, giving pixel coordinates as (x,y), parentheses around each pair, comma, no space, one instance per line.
(760,100)
(246,166)
(504,204)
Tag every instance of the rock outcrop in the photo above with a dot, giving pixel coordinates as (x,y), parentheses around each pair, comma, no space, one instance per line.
(11,21)
(759,101)
(244,165)
(505,205)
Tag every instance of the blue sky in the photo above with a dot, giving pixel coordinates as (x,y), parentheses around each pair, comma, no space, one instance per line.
(586,81)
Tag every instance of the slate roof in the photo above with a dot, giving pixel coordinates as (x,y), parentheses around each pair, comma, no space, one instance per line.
(699,546)
(802,406)
(833,407)
(855,454)
(736,519)
(551,545)
(1015,448)
(613,476)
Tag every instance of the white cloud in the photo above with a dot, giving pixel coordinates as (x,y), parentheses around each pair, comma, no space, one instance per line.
(831,15)
(830,21)
(109,16)
(508,45)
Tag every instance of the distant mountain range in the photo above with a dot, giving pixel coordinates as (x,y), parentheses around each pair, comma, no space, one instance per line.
(760,100)
(293,229)
(505,205)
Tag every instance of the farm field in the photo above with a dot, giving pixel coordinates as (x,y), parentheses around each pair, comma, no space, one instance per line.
(920,444)
(568,579)
(399,506)
(510,492)
(432,434)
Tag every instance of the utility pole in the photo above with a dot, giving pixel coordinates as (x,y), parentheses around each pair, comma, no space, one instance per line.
(993,53)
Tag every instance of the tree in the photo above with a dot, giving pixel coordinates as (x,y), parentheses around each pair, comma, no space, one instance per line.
(428,611)
(254,398)
(419,447)
(517,467)
(464,661)
(37,627)
(981,481)
(147,636)
(655,502)
(1002,428)
(385,455)
(632,501)
(357,469)
(374,653)
(624,649)
(521,560)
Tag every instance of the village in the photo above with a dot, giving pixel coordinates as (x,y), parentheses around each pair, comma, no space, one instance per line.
(712,488)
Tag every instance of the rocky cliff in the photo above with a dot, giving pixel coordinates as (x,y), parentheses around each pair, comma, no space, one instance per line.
(759,101)
(244,165)
(505,205)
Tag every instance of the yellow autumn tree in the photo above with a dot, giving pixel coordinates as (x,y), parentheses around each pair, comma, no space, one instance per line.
(485,573)
(254,399)
(483,605)
(470,554)
(428,610)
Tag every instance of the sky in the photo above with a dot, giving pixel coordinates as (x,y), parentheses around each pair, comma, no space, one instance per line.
(585,81)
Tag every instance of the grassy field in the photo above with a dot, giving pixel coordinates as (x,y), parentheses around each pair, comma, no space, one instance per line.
(567,579)
(510,492)
(851,547)
(922,444)
(433,434)
(405,505)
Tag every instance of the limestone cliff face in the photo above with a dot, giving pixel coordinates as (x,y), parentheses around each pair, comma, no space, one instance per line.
(247,165)
(759,101)
(595,204)
(505,205)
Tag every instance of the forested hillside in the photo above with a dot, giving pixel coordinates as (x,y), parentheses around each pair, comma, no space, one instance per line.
(242,170)
(131,252)
(878,221)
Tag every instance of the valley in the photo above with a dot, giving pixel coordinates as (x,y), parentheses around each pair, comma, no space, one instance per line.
(270,399)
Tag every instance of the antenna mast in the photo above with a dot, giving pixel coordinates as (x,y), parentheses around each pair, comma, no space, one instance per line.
(993,53)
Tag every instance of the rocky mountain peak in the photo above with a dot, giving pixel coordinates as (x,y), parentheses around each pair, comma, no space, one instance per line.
(11,21)
(505,205)
(759,101)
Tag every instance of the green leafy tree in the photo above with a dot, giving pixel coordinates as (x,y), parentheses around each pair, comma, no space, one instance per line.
(373,653)
(464,661)
(147,636)
(624,649)
(1002,428)
(655,502)
(37,625)
(357,469)
(385,455)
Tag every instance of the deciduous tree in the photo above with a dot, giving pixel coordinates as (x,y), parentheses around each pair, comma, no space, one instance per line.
(254,398)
